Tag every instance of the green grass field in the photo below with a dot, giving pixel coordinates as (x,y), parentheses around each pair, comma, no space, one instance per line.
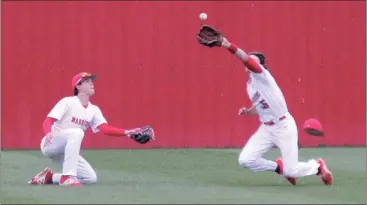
(185,176)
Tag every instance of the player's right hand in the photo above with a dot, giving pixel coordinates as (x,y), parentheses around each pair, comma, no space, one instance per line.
(243,111)
(48,139)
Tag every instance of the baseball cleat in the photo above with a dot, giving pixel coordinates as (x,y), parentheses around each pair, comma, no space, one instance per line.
(325,174)
(44,177)
(280,165)
(69,181)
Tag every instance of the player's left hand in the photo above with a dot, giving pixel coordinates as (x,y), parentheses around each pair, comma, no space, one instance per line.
(141,135)
(225,43)
(209,36)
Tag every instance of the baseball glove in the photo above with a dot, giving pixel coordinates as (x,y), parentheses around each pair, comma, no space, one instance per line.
(209,36)
(142,135)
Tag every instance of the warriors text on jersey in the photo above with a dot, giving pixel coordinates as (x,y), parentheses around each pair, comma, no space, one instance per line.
(70,113)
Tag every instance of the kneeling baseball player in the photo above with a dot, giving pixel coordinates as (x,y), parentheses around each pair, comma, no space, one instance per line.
(278,126)
(64,130)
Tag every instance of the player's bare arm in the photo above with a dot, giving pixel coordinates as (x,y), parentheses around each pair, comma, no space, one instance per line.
(247,111)
(251,63)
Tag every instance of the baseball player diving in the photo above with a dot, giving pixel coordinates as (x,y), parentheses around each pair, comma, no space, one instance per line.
(278,127)
(64,130)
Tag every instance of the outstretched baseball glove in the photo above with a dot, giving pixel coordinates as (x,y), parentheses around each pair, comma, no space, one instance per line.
(209,36)
(142,135)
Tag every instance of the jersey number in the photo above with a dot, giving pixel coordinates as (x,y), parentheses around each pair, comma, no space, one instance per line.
(264,105)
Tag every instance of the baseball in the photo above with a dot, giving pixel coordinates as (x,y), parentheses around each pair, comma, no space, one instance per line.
(203,16)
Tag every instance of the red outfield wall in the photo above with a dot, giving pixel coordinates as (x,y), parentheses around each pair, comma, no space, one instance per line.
(152,70)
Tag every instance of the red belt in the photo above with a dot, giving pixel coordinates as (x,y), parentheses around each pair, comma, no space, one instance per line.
(272,122)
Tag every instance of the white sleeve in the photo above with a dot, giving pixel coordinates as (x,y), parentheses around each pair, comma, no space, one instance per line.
(97,120)
(59,109)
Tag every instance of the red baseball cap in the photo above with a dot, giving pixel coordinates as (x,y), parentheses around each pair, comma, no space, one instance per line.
(313,127)
(80,77)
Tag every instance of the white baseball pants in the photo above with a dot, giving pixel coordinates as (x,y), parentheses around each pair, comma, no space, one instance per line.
(64,148)
(283,134)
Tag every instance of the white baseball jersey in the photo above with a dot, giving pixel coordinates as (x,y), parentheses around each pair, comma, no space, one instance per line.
(70,113)
(266,96)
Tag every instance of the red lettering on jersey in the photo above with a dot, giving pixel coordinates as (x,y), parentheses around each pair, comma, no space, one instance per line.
(85,123)
(80,121)
(255,97)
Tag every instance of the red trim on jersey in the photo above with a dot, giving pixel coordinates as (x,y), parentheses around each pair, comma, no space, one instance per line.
(112,131)
(47,124)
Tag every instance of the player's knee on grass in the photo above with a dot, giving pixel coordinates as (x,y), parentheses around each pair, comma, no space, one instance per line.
(91,178)
(246,162)
(290,172)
